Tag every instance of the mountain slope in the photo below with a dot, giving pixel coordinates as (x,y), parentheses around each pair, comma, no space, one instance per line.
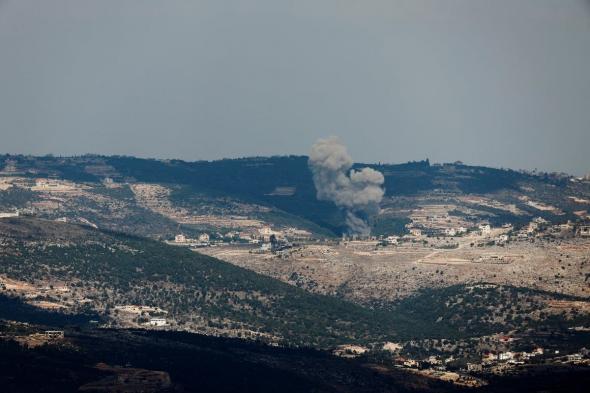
(82,269)
(91,360)
(281,189)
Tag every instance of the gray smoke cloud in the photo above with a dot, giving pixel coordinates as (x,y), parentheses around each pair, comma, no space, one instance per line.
(357,192)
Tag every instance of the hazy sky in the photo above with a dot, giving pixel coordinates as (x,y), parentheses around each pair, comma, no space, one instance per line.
(497,82)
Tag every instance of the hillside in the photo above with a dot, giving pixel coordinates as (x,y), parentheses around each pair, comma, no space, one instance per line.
(140,361)
(143,361)
(75,269)
(462,311)
(129,307)
(153,197)
(78,269)
(90,359)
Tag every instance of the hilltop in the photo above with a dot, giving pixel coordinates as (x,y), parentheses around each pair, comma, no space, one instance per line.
(156,197)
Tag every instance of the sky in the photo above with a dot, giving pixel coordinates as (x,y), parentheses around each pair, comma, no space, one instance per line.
(502,83)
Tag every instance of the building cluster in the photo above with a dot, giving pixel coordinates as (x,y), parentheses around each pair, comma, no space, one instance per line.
(455,231)
(493,362)
(266,238)
(417,233)
(266,234)
(431,362)
(539,227)
(492,357)
(203,240)
(503,361)
(37,339)
(534,227)
(419,230)
(143,315)
(53,185)
(273,241)
(497,361)
(439,221)
(349,351)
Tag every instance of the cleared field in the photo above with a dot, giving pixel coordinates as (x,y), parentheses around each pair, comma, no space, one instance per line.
(367,274)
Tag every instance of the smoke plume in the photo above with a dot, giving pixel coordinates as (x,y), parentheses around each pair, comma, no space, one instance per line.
(357,192)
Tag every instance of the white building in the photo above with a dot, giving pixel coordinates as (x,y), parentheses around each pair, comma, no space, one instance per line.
(485,229)
(391,239)
(157,322)
(532,227)
(506,355)
(54,334)
(392,347)
(502,239)
(411,363)
(231,235)
(266,232)
(180,238)
(9,214)
(349,351)
(450,232)
(455,231)
(574,357)
(204,238)
(568,226)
